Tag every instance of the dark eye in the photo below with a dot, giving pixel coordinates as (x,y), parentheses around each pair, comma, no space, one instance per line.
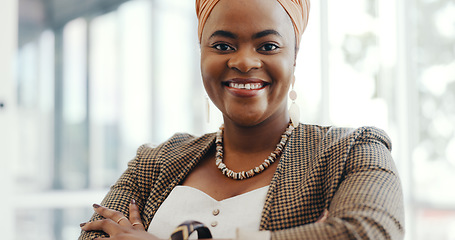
(223,47)
(268,47)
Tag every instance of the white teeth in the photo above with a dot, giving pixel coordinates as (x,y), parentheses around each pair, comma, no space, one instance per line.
(248,86)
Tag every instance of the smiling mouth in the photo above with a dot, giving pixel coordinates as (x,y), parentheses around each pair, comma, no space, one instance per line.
(246,86)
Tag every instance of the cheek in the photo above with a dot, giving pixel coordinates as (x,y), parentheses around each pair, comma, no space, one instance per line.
(212,66)
(212,71)
(211,62)
(282,70)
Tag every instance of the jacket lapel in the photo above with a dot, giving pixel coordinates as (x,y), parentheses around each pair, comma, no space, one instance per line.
(289,199)
(288,194)
(173,166)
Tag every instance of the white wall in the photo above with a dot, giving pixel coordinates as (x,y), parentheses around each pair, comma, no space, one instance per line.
(8,139)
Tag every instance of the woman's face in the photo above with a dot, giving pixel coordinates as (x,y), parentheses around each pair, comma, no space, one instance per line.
(247,59)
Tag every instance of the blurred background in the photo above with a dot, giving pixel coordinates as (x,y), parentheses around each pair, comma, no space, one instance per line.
(84,83)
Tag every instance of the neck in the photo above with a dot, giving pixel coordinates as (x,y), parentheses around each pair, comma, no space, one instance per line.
(253,139)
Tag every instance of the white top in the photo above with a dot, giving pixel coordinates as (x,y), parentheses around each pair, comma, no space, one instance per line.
(223,217)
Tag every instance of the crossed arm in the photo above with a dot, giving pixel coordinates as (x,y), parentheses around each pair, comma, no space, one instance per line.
(119,226)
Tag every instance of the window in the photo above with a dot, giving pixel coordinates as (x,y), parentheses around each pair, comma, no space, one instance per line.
(98,83)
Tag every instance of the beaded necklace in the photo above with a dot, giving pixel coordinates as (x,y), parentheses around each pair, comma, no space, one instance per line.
(252,172)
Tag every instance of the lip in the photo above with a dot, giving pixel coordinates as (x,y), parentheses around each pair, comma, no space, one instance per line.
(245,83)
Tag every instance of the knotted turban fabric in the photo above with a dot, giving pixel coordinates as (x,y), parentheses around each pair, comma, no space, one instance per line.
(298,11)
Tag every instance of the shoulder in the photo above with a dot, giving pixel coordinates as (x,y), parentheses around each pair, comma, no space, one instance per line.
(169,157)
(357,149)
(339,146)
(330,136)
(178,144)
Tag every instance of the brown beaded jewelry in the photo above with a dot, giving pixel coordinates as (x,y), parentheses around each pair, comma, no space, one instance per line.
(252,172)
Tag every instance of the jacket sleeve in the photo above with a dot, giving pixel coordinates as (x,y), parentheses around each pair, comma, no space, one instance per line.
(368,202)
(118,198)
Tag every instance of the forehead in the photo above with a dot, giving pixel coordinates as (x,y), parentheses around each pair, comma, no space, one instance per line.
(248,17)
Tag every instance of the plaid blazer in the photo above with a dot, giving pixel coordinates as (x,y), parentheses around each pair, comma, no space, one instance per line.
(350,172)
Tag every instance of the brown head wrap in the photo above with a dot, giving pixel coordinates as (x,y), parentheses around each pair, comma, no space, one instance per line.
(298,11)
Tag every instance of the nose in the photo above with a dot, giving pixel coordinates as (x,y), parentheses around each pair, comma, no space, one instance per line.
(244,61)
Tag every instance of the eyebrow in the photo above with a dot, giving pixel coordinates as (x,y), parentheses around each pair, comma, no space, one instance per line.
(266,33)
(223,33)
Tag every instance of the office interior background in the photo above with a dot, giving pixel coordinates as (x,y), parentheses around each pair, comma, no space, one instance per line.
(84,83)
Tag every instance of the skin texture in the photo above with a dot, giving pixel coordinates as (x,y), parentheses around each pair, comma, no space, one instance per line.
(243,42)
(117,225)
(270,58)
(246,41)
(120,227)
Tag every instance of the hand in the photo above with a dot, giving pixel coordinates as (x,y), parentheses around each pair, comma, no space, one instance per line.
(117,225)
(323,216)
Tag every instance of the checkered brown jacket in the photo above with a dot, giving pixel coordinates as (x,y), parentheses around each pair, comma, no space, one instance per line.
(350,172)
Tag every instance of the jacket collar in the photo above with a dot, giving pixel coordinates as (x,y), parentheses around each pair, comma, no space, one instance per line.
(178,161)
(285,188)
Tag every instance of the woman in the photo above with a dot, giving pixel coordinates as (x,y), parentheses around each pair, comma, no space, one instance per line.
(318,183)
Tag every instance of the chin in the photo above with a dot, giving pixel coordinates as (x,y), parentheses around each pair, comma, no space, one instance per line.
(245,121)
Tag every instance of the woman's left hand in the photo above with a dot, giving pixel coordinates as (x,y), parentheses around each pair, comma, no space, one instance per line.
(117,225)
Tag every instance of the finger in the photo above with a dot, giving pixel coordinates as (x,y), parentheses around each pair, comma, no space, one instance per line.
(113,215)
(135,216)
(324,216)
(106,225)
